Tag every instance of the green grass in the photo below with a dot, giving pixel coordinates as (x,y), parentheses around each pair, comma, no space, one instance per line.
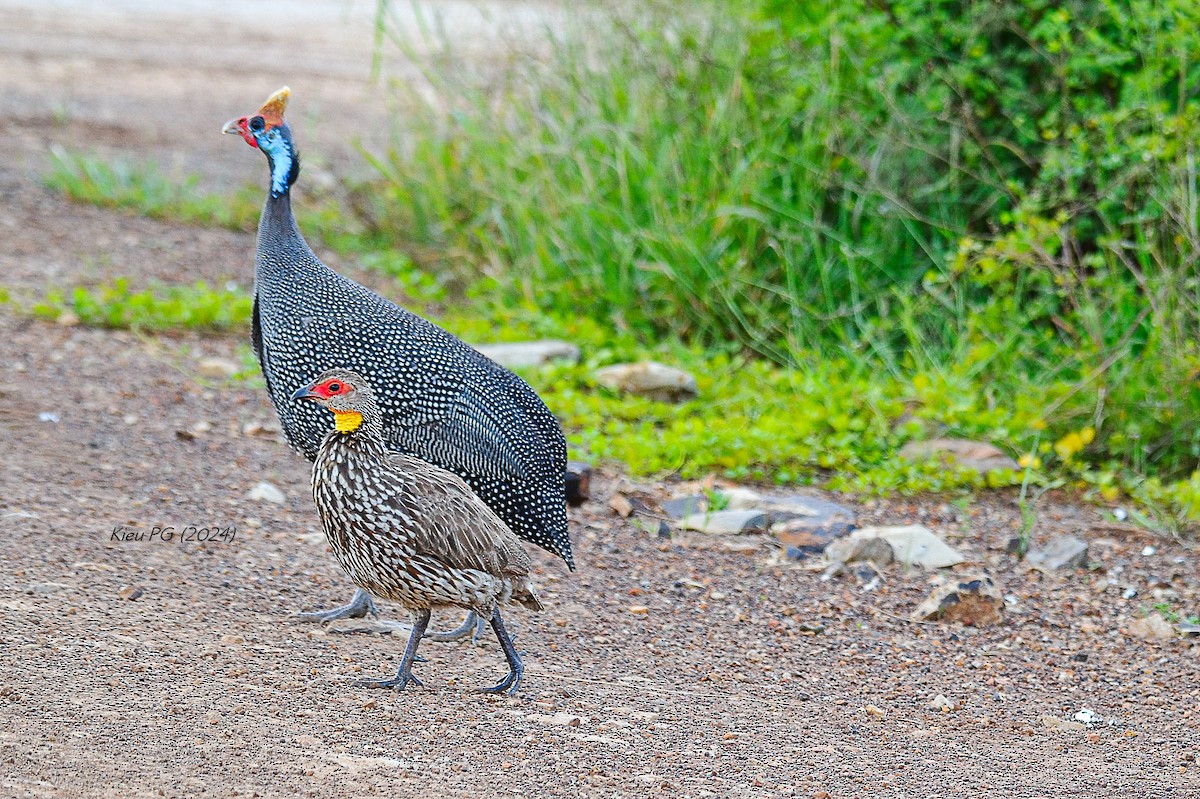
(157,308)
(144,188)
(972,220)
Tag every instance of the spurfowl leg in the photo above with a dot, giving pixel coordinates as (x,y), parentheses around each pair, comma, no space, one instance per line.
(472,625)
(404,674)
(515,668)
(359,606)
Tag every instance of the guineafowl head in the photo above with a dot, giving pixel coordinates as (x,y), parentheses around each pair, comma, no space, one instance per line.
(345,393)
(266,130)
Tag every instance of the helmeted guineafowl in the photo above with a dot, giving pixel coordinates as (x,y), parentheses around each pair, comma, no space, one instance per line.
(439,399)
(409,531)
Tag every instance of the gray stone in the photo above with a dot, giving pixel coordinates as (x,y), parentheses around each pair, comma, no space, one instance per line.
(530,353)
(1063,552)
(649,379)
(726,522)
(913,546)
(1152,628)
(977,455)
(682,507)
(857,548)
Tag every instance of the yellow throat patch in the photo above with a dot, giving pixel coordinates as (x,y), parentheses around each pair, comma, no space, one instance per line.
(347,421)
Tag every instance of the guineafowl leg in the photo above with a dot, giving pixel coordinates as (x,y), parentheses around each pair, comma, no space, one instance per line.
(472,625)
(359,606)
(516,668)
(404,674)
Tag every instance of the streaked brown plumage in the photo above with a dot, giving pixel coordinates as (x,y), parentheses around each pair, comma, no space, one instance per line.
(409,531)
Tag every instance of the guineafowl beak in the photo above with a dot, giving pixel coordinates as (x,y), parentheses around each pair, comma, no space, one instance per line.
(306,393)
(239,127)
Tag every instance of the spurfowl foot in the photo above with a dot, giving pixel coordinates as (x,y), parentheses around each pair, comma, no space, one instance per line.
(404,674)
(361,605)
(516,668)
(472,625)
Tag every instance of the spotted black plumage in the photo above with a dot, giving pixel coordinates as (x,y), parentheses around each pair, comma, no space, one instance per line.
(439,399)
(407,530)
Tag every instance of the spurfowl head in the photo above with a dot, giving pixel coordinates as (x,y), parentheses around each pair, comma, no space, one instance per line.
(346,394)
(266,130)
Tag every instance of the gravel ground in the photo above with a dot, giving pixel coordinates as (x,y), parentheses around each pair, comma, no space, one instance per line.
(131,668)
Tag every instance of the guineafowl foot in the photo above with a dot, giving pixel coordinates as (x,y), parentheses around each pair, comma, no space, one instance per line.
(399,682)
(361,605)
(516,668)
(472,625)
(404,674)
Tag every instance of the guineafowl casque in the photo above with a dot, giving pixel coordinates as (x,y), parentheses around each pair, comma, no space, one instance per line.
(409,531)
(439,399)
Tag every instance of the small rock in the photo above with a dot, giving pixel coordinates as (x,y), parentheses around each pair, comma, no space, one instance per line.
(130,419)
(1129,593)
(217,368)
(649,379)
(621,505)
(977,455)
(1062,552)
(562,718)
(265,492)
(942,704)
(682,507)
(1187,629)
(874,711)
(974,601)
(913,546)
(1152,628)
(1088,717)
(639,610)
(530,353)
(578,479)
(664,531)
(46,416)
(1147,551)
(857,548)
(130,592)
(803,538)
(67,319)
(726,522)
(1055,723)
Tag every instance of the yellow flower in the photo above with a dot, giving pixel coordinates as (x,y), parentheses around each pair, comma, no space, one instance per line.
(1029,460)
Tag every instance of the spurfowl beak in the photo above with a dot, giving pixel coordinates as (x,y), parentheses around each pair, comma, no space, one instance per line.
(306,393)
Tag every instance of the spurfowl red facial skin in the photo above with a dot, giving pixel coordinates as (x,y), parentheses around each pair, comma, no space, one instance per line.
(439,399)
(409,531)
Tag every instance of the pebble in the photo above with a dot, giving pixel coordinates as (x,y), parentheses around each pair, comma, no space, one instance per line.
(265,492)
(130,592)
(217,368)
(942,704)
(1147,551)
(1151,628)
(557,719)
(1055,723)
(649,379)
(973,601)
(524,354)
(639,610)
(1062,552)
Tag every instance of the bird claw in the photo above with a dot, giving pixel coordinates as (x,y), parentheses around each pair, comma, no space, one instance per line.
(508,686)
(361,605)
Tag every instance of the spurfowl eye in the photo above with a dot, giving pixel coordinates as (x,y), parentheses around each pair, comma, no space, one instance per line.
(257,124)
(334,387)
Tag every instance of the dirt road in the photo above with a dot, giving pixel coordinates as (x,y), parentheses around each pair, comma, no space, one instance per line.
(152,668)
